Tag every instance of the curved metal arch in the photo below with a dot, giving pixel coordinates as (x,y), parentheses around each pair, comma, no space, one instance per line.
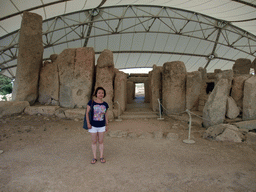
(85,27)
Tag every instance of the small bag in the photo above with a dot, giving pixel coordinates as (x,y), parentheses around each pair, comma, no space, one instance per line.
(90,116)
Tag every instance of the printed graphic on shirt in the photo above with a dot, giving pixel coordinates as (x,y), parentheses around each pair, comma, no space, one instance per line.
(99,111)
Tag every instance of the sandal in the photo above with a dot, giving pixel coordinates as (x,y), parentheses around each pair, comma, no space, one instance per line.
(102,160)
(93,161)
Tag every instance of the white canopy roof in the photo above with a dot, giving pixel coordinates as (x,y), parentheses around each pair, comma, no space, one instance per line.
(141,33)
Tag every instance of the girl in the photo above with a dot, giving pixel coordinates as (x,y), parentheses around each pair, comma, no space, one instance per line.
(98,124)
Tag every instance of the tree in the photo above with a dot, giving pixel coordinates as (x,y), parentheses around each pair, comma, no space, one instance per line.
(5,85)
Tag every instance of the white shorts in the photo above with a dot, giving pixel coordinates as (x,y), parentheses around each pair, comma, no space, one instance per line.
(97,129)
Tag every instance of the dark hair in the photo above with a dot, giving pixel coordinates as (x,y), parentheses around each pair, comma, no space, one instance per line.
(99,88)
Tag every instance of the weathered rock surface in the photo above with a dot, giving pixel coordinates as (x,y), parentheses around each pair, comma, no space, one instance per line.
(215,130)
(130,90)
(232,134)
(12,107)
(224,132)
(43,110)
(156,87)
(76,76)
(251,138)
(227,74)
(147,91)
(242,66)
(173,82)
(237,92)
(194,83)
(29,58)
(232,109)
(246,124)
(120,91)
(53,57)
(249,100)
(215,108)
(75,113)
(49,84)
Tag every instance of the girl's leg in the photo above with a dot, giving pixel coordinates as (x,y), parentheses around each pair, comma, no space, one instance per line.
(101,147)
(94,144)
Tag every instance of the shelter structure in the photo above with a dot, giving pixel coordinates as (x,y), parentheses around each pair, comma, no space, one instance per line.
(208,34)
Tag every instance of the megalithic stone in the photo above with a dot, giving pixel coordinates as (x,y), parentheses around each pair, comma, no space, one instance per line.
(249,100)
(215,107)
(174,85)
(29,58)
(120,92)
(156,87)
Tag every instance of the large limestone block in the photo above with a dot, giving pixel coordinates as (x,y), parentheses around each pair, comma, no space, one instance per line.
(215,107)
(76,76)
(227,74)
(156,87)
(254,65)
(29,58)
(250,125)
(105,59)
(231,134)
(49,84)
(173,83)
(12,107)
(147,91)
(194,85)
(43,110)
(75,113)
(232,109)
(242,66)
(249,100)
(120,91)
(237,92)
(130,90)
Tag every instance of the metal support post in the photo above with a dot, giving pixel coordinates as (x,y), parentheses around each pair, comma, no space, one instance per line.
(189,130)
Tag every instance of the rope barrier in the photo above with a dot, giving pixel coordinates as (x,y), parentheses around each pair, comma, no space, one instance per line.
(189,141)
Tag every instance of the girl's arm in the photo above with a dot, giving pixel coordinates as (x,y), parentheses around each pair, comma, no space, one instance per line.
(87,117)
(106,118)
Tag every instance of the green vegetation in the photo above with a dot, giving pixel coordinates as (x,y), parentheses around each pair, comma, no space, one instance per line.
(5,85)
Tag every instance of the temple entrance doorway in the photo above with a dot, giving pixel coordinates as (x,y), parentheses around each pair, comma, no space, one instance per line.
(139,93)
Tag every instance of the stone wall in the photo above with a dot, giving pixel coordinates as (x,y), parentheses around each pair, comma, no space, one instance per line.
(68,80)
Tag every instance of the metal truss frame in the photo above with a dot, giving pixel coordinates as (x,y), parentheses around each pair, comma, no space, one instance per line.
(77,26)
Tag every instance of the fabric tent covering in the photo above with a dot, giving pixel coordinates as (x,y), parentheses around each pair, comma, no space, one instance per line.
(201,33)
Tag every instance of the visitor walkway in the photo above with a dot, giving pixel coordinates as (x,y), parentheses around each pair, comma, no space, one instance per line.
(139,110)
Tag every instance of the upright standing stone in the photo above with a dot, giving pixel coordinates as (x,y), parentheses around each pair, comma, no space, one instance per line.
(120,90)
(215,108)
(249,101)
(105,77)
(227,74)
(147,91)
(232,110)
(29,58)
(237,92)
(49,84)
(174,82)
(130,91)
(254,66)
(194,84)
(156,87)
(76,76)
(242,66)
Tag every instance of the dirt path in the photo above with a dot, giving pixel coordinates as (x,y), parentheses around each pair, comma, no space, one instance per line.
(50,154)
